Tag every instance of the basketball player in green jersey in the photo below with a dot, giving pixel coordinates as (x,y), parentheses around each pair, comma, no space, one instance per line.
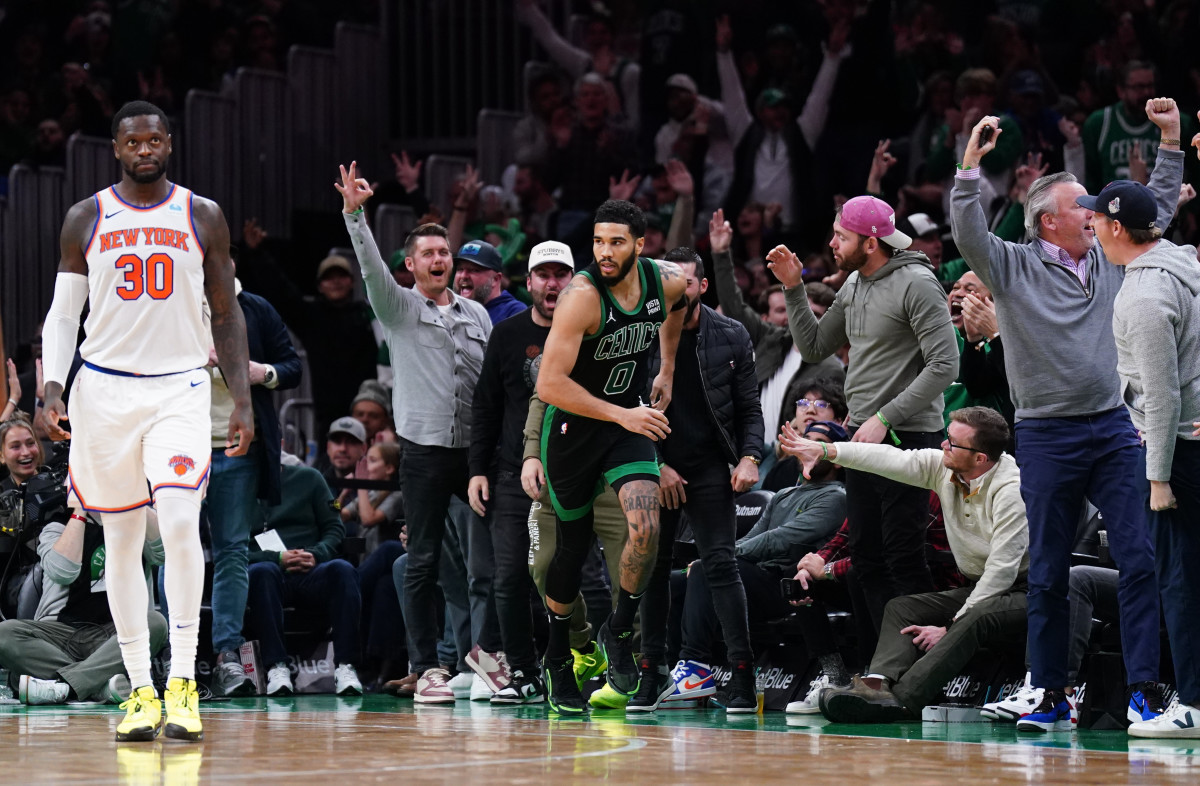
(598,428)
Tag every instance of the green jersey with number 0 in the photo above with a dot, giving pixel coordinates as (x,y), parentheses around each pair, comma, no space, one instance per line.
(613,362)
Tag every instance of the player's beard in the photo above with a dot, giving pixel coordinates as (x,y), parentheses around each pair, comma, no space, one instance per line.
(622,270)
(146,176)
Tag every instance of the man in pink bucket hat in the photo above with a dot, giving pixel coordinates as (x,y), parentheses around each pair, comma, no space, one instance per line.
(903,355)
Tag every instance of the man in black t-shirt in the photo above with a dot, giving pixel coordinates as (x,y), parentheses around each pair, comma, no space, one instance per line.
(499,409)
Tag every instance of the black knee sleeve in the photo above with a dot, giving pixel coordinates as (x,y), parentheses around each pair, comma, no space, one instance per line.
(566,567)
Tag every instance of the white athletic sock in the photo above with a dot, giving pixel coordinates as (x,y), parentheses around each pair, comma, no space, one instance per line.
(179,525)
(124,536)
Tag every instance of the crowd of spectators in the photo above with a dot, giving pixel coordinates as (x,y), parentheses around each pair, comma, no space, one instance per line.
(66,67)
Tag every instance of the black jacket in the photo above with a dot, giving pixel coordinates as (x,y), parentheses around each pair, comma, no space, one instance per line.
(726,359)
(269,343)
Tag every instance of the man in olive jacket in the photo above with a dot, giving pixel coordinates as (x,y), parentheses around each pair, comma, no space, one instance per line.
(903,356)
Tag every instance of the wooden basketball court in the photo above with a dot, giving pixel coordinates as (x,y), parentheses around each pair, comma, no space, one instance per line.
(329,740)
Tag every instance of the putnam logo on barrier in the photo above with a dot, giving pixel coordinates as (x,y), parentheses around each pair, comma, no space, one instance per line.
(181,464)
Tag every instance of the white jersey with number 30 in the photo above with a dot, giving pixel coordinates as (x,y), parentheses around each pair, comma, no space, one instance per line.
(146,287)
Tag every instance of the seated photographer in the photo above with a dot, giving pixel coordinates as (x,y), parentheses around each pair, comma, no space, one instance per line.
(926,639)
(20,576)
(306,573)
(796,521)
(69,650)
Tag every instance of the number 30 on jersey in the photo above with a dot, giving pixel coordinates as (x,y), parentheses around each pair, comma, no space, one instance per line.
(153,276)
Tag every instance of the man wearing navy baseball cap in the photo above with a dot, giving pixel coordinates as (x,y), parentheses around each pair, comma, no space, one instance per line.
(480,276)
(1128,202)
(1156,325)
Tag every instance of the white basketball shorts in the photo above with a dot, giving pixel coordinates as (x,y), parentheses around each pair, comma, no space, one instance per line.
(133,436)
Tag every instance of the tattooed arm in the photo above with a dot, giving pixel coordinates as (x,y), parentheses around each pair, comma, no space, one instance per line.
(674,285)
(639,500)
(228,324)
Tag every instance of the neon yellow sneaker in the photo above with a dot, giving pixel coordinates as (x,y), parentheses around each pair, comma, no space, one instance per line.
(606,698)
(588,664)
(183,712)
(143,714)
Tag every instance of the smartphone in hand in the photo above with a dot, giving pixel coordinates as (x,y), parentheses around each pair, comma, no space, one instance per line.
(792,590)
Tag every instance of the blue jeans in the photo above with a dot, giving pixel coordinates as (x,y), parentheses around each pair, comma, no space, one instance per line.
(381,615)
(331,586)
(232,505)
(1063,460)
(1177,553)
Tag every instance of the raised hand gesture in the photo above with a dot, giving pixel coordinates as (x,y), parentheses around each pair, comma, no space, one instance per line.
(355,190)
(1164,113)
(720,234)
(786,266)
(679,178)
(408,174)
(977,149)
(625,187)
(880,164)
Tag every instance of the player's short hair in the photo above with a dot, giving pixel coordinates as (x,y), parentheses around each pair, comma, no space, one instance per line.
(139,109)
(618,211)
(424,230)
(991,431)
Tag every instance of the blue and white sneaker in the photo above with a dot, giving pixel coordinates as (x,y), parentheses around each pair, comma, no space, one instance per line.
(1055,713)
(692,680)
(1179,721)
(1145,702)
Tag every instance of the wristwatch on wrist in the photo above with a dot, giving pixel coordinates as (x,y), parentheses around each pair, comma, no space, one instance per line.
(755,460)
(270,377)
(828,570)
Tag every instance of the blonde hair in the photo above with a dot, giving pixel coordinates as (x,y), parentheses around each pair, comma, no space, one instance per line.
(22,420)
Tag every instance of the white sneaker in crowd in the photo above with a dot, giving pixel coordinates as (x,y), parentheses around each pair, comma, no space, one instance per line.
(345,681)
(279,680)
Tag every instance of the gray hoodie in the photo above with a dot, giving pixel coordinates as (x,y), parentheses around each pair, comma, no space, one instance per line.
(903,353)
(1156,324)
(1061,362)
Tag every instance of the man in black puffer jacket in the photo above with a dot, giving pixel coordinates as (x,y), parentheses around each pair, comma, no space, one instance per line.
(716,421)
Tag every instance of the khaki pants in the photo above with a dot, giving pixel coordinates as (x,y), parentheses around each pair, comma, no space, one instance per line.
(612,530)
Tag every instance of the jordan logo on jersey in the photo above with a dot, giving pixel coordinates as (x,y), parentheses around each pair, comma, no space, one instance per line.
(181,464)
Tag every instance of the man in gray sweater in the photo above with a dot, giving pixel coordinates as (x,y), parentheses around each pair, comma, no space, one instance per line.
(903,356)
(438,339)
(1054,299)
(1156,324)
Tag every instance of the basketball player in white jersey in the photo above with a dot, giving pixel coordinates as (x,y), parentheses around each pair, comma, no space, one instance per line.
(146,253)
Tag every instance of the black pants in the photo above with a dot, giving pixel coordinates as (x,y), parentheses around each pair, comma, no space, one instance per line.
(888,520)
(710,508)
(764,601)
(430,476)
(512,582)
